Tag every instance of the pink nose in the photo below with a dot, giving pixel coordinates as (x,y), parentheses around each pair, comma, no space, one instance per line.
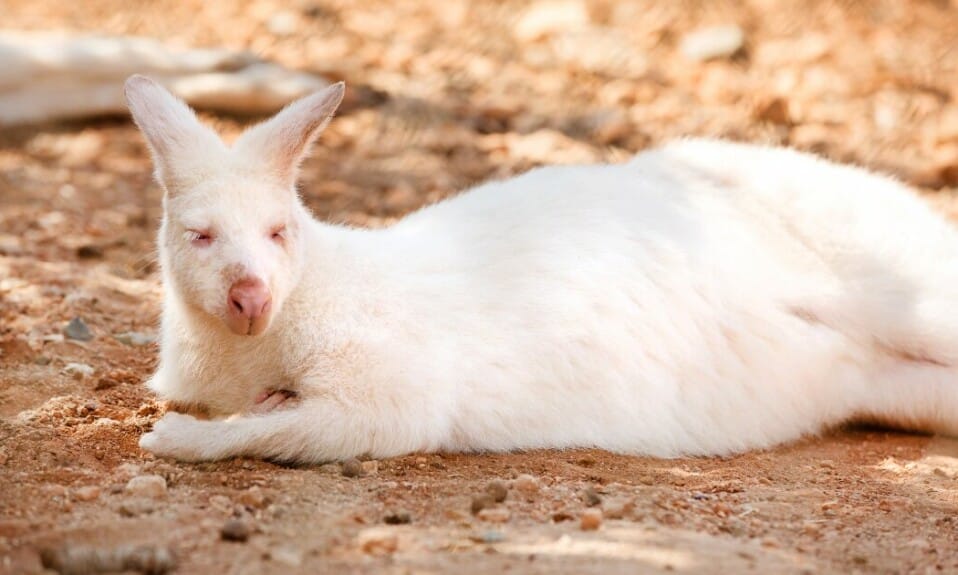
(249,298)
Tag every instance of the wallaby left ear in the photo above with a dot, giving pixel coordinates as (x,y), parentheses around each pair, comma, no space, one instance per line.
(284,140)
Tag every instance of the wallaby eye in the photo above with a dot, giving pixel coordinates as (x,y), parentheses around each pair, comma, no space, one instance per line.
(200,237)
(278,233)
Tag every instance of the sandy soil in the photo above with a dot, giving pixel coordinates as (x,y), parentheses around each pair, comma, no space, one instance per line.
(441,97)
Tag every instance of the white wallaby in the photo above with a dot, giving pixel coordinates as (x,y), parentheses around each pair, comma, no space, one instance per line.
(703,299)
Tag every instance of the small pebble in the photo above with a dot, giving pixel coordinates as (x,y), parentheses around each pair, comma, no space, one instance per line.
(590,497)
(590,520)
(480,502)
(89,251)
(136,507)
(135,338)
(235,530)
(77,559)
(78,370)
(370,467)
(497,490)
(287,555)
(617,508)
(712,43)
(283,23)
(526,484)
(377,540)
(147,486)
(77,329)
(401,517)
(253,497)
(87,493)
(352,468)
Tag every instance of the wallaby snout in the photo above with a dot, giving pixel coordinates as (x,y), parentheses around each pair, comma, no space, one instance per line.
(249,303)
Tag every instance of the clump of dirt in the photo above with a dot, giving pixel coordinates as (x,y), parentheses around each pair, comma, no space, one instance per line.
(440,96)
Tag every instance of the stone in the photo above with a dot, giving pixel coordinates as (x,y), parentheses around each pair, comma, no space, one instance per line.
(401,517)
(135,338)
(78,370)
(147,486)
(526,484)
(590,520)
(352,468)
(591,497)
(551,16)
(77,329)
(497,490)
(253,498)
(377,541)
(711,43)
(87,493)
(235,530)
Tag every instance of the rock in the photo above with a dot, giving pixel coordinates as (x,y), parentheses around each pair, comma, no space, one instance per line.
(401,517)
(147,486)
(78,370)
(497,490)
(87,493)
(71,559)
(253,497)
(135,338)
(283,23)
(712,43)
(77,329)
(812,529)
(136,507)
(494,515)
(550,16)
(235,530)
(370,467)
(89,252)
(287,555)
(773,110)
(352,468)
(377,541)
(221,502)
(617,508)
(481,502)
(590,497)
(526,484)
(590,520)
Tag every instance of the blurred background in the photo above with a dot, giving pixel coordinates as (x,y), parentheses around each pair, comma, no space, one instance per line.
(440,95)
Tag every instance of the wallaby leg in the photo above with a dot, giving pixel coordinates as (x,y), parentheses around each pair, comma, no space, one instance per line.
(914,395)
(312,431)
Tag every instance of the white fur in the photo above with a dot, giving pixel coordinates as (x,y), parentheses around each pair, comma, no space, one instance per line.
(705,298)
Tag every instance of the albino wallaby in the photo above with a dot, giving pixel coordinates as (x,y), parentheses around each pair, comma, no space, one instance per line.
(703,299)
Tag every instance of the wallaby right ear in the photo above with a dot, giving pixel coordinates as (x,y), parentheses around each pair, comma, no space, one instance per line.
(177,139)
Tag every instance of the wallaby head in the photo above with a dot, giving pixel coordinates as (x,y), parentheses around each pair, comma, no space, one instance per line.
(231,241)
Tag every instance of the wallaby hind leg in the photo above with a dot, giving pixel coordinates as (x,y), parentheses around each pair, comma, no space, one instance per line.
(914,395)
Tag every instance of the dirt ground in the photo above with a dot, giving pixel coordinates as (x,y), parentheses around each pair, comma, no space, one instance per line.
(443,95)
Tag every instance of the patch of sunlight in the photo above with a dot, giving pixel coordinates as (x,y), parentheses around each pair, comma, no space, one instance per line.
(604,548)
(940,459)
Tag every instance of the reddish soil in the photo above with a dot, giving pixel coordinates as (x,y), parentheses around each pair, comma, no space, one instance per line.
(442,95)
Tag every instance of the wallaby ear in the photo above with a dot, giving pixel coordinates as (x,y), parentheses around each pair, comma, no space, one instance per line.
(284,140)
(176,138)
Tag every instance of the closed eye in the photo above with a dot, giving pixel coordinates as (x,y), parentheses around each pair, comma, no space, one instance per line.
(200,237)
(278,233)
